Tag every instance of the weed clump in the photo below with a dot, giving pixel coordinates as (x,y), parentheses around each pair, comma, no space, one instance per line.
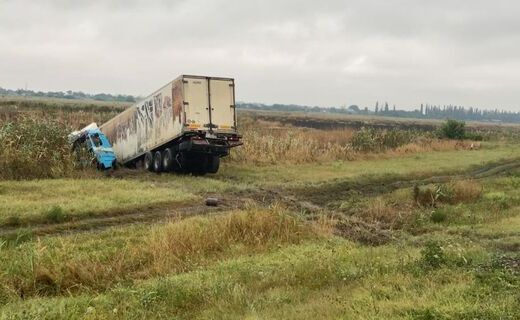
(462,191)
(373,140)
(432,255)
(22,235)
(438,216)
(55,215)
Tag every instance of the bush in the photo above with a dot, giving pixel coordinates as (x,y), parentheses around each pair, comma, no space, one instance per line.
(453,129)
(34,148)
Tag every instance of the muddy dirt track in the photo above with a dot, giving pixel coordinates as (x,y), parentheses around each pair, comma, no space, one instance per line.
(311,199)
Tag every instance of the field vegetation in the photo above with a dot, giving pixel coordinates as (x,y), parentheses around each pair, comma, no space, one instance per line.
(360,222)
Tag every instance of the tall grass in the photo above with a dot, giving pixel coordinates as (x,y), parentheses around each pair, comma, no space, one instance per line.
(34,148)
(48,268)
(273,143)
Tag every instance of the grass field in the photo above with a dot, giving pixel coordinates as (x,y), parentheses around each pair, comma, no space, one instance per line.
(426,233)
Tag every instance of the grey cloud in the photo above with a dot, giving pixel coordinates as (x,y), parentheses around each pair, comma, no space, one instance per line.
(307,52)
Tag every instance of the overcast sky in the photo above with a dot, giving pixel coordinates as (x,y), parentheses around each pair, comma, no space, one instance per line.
(326,53)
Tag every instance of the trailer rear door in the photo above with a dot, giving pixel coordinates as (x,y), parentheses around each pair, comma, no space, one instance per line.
(196,103)
(222,104)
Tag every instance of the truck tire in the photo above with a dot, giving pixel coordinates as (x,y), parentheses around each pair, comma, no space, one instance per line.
(199,165)
(148,161)
(157,162)
(167,160)
(213,164)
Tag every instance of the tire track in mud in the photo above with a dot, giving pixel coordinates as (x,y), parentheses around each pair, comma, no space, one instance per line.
(321,194)
(311,200)
(119,218)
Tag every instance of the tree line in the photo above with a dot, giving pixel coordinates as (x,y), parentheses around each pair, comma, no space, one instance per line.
(68,95)
(424,111)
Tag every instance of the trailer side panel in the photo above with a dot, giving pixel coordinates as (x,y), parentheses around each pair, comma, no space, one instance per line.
(146,125)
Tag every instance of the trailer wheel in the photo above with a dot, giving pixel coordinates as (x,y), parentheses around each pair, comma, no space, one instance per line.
(199,165)
(148,161)
(167,160)
(157,162)
(213,164)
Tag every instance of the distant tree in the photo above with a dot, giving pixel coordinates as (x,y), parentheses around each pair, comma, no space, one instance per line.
(354,108)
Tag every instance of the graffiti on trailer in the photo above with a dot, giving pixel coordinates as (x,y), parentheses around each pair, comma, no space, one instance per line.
(147,123)
(157,105)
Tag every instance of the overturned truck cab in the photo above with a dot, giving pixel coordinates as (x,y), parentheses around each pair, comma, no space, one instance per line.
(95,143)
(186,126)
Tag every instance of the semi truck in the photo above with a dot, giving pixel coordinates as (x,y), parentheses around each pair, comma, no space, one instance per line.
(185,126)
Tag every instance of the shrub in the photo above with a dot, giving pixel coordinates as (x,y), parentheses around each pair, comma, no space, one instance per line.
(453,129)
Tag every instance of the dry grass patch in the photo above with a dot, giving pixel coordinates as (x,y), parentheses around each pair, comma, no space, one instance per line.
(274,143)
(460,191)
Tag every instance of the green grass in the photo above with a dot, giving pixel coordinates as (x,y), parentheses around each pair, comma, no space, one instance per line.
(268,262)
(48,200)
(316,279)
(422,164)
(58,265)
(307,276)
(23,202)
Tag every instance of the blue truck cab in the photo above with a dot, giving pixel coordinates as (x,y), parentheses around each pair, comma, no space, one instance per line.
(97,145)
(101,148)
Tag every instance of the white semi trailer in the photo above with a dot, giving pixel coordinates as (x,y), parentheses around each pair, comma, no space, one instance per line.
(186,126)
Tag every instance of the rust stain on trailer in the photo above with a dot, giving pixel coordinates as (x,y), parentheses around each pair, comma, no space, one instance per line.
(177,100)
